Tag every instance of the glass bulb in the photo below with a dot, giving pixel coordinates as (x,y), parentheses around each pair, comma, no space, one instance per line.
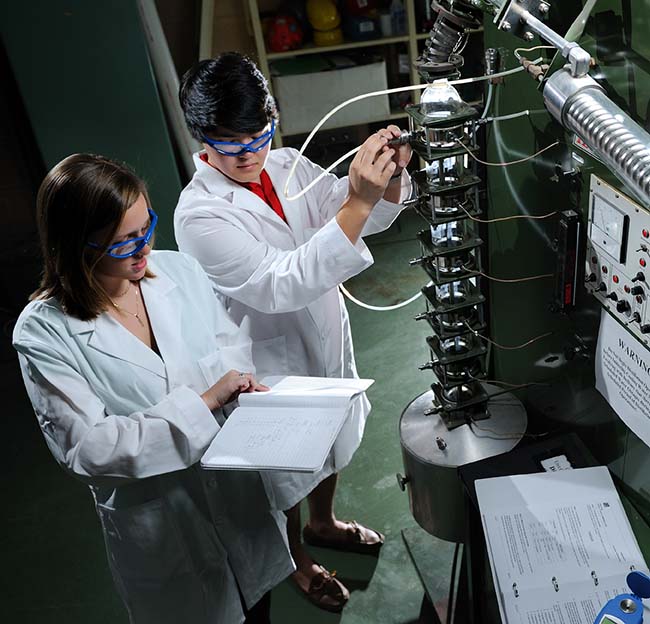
(440,99)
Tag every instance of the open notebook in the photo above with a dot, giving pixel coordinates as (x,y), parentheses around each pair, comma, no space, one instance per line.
(291,428)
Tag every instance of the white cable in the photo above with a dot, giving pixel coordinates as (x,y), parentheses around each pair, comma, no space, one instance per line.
(539,47)
(488,101)
(357,98)
(523,113)
(367,306)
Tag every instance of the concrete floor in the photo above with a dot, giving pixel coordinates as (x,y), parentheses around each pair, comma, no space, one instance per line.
(54,561)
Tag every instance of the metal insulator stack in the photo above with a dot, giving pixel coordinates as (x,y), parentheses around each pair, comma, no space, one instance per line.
(447,198)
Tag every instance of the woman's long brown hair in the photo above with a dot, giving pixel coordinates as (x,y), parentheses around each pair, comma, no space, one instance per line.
(80,196)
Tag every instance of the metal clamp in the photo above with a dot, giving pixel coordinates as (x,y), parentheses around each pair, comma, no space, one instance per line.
(522,19)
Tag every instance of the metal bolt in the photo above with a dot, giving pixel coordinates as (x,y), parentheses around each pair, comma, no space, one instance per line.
(528,36)
(506,26)
(442,445)
(543,8)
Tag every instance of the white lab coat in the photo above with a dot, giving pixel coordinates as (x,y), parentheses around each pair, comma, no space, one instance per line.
(284,277)
(132,425)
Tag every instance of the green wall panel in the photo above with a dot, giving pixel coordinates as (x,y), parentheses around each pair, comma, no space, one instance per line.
(88,86)
(523,248)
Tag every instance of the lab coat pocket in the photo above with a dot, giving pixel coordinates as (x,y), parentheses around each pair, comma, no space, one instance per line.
(270,357)
(216,365)
(143,542)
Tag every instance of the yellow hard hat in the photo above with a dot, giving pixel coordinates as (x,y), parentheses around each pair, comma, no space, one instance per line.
(323,15)
(328,37)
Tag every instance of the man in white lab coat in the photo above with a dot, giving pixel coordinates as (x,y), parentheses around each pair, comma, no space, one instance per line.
(279,263)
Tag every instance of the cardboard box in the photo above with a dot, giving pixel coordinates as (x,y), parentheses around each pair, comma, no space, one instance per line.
(303,99)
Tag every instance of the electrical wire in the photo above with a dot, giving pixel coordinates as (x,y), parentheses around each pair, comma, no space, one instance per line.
(508,281)
(505,383)
(375,308)
(498,219)
(506,164)
(508,435)
(506,347)
(539,47)
(357,98)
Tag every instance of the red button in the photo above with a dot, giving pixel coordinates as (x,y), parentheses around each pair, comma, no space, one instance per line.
(646,234)
(642,262)
(594,260)
(615,279)
(639,299)
(626,289)
(604,269)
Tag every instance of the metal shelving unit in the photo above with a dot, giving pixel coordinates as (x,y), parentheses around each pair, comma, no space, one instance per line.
(411,39)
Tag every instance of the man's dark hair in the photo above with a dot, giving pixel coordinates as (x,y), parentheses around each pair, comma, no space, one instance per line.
(226,93)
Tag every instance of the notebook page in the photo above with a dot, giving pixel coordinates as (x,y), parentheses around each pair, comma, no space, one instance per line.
(275,438)
(293,391)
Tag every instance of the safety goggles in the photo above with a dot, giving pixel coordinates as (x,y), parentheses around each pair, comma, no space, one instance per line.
(130,247)
(231,148)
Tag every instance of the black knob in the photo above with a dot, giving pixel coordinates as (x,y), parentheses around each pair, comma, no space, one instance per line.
(402,481)
(622,306)
(640,277)
(613,296)
(637,290)
(602,287)
(645,329)
(592,278)
(636,317)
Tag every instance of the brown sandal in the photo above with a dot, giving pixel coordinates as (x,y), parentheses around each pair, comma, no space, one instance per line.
(352,541)
(326,592)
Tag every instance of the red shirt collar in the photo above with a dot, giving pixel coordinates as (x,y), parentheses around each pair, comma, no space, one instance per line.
(263,189)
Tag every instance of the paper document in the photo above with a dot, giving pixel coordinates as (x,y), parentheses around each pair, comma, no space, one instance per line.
(623,375)
(560,544)
(290,428)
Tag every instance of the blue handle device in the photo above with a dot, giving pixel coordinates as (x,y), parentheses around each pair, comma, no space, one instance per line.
(627,608)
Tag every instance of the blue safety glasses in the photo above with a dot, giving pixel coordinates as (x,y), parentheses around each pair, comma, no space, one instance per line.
(130,247)
(231,148)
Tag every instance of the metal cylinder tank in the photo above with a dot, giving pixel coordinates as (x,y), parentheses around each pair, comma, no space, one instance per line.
(432,455)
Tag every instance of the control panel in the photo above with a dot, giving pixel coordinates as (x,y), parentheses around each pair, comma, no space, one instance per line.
(617,270)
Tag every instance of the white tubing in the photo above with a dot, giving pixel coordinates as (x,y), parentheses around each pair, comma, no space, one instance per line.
(367,306)
(363,96)
(488,101)
(523,113)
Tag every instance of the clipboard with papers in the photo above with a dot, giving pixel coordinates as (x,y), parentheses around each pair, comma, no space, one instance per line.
(559,543)
(290,428)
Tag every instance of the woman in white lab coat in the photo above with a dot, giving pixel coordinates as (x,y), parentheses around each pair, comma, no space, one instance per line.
(278,263)
(128,360)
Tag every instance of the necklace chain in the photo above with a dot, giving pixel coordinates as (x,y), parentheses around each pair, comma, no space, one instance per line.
(135,314)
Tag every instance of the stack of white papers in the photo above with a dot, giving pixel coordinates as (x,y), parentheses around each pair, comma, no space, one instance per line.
(560,544)
(291,428)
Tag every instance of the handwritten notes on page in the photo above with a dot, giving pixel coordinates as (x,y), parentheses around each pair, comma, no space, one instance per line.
(291,428)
